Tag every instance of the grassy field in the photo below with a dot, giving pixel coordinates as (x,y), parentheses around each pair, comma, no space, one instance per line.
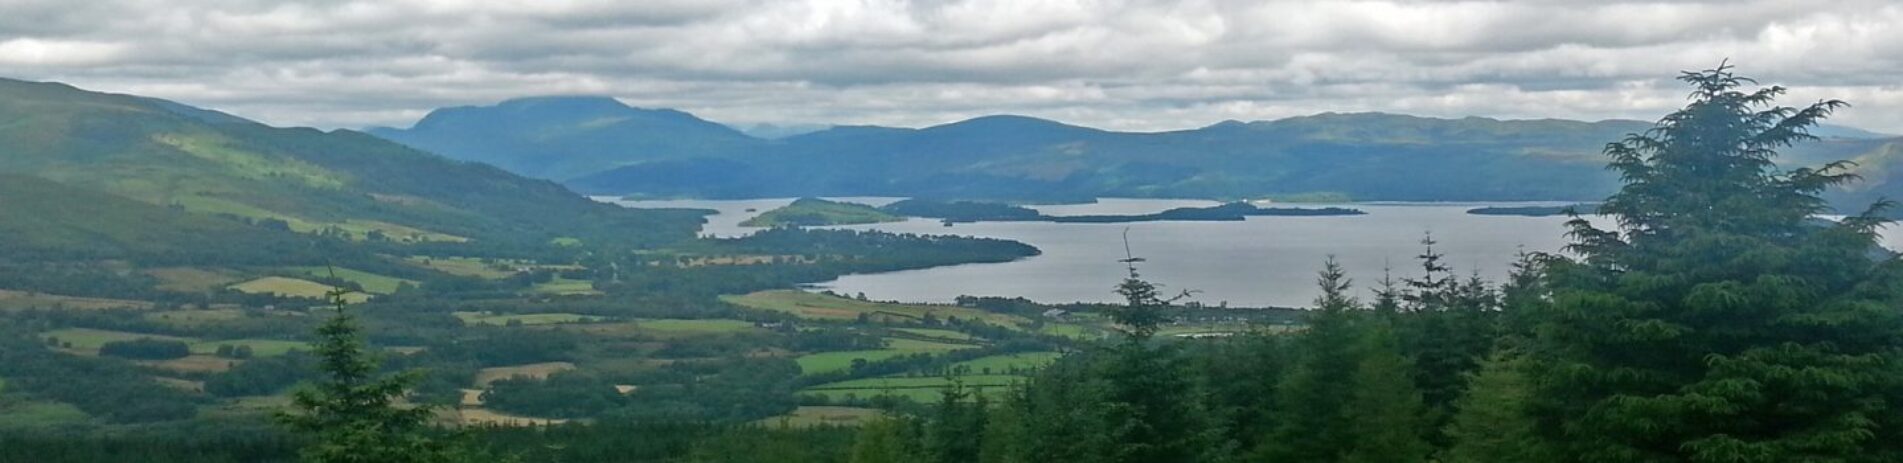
(371,282)
(485,318)
(1003,363)
(192,279)
(948,335)
(566,287)
(824,307)
(38,414)
(814,211)
(806,417)
(18,300)
(86,339)
(464,266)
(827,362)
(533,370)
(194,317)
(292,287)
(708,326)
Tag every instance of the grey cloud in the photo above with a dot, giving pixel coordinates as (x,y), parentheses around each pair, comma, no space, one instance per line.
(1126,64)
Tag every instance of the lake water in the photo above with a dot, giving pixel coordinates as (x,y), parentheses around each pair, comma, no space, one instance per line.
(1262,261)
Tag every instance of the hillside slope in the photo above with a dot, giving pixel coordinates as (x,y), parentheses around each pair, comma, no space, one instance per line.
(340,183)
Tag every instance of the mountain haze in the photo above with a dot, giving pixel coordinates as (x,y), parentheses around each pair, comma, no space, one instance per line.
(566,136)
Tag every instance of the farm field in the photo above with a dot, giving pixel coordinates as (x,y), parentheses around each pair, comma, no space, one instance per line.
(1009,362)
(293,287)
(39,415)
(827,362)
(89,340)
(566,287)
(806,417)
(948,335)
(18,300)
(483,318)
(193,279)
(707,326)
(823,307)
(463,266)
(371,282)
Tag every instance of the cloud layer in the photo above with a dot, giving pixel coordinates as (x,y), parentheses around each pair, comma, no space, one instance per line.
(1124,64)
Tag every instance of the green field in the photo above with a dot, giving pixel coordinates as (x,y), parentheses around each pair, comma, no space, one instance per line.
(192,280)
(1007,362)
(292,287)
(194,317)
(823,307)
(484,318)
(709,326)
(16,300)
(948,335)
(37,414)
(827,362)
(87,339)
(464,266)
(371,282)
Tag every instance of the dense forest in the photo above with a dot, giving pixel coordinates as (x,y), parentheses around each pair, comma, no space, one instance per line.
(1717,321)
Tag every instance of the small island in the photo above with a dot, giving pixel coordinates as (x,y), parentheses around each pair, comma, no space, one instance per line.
(969,211)
(1537,211)
(815,212)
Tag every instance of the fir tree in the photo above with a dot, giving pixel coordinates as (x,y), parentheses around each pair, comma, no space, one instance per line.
(1720,322)
(1386,408)
(1314,425)
(351,411)
(1492,423)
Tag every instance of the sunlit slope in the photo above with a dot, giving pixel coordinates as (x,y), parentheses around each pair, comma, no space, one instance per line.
(339,183)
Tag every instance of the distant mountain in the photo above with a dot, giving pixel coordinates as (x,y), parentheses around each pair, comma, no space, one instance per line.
(180,159)
(1362,156)
(778,131)
(568,136)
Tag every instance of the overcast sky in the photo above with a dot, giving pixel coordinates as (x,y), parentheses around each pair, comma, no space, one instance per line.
(1136,65)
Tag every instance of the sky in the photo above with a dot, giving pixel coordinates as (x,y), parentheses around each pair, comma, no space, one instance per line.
(1126,65)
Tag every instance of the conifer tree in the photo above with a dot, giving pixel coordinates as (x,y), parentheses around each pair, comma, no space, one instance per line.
(1314,425)
(351,411)
(1492,422)
(1386,409)
(1721,322)
(884,440)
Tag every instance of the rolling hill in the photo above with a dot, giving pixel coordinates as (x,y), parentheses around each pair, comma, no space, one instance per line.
(598,145)
(338,183)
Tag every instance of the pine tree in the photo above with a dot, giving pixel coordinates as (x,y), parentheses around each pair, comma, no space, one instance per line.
(1386,408)
(1312,402)
(1493,423)
(1720,322)
(351,412)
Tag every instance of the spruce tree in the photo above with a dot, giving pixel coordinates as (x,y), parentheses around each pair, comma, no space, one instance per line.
(1493,423)
(884,440)
(1719,321)
(1386,409)
(351,411)
(1313,423)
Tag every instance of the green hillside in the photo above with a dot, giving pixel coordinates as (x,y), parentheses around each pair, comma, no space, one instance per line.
(810,212)
(338,183)
(46,220)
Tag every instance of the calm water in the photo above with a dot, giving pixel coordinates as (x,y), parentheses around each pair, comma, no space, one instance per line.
(1257,262)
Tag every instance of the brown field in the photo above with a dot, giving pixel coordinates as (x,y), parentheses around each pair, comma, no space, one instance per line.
(192,279)
(18,300)
(471,398)
(533,370)
(181,384)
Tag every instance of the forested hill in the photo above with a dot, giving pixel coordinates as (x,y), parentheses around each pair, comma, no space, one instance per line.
(598,145)
(340,183)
